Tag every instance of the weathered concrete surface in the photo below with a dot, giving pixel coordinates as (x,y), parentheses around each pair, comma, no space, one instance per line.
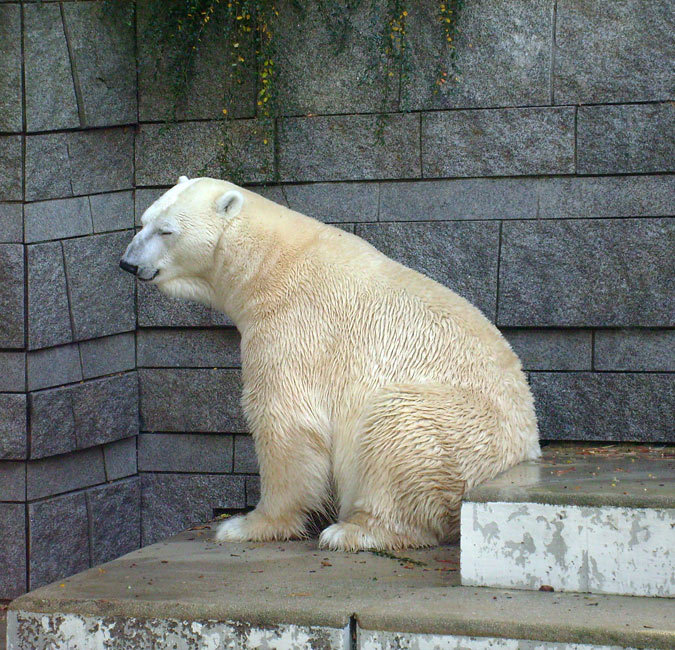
(190,581)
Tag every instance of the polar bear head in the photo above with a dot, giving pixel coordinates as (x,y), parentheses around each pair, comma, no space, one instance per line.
(181,230)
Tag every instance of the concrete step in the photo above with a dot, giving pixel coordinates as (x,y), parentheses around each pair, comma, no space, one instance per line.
(597,519)
(191,592)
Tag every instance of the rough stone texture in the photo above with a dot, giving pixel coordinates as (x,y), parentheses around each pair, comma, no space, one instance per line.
(502,142)
(10,168)
(49,476)
(84,415)
(610,51)
(331,64)
(112,211)
(50,92)
(508,43)
(165,152)
(57,219)
(190,452)
(641,350)
(79,162)
(604,406)
(12,372)
(144,198)
(190,348)
(101,295)
(12,549)
(191,400)
(587,273)
(11,223)
(551,349)
(625,139)
(335,202)
(119,458)
(446,252)
(12,481)
(108,355)
(102,47)
(12,426)
(344,147)
(53,366)
(10,68)
(172,502)
(58,538)
(48,309)
(114,519)
(11,296)
(245,460)
(252,491)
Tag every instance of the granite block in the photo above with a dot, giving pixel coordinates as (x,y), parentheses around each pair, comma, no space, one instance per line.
(119,458)
(108,355)
(190,452)
(57,219)
(335,202)
(13,442)
(446,252)
(639,349)
(172,502)
(252,491)
(12,372)
(10,68)
(11,296)
(113,211)
(245,459)
(52,422)
(144,198)
(551,349)
(11,168)
(191,400)
(12,550)
(503,142)
(11,223)
(53,366)
(12,481)
(587,273)
(188,348)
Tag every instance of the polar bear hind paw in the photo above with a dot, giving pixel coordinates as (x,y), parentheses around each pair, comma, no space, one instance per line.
(346,536)
(255,527)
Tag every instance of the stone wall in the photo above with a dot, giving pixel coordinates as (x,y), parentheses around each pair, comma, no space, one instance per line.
(540,188)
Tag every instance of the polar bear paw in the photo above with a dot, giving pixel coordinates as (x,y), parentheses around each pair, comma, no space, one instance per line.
(257,527)
(232,530)
(345,536)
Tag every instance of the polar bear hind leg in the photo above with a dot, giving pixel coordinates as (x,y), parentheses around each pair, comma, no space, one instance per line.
(416,445)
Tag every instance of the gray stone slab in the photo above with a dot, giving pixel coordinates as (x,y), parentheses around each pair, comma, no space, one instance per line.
(172,502)
(101,295)
(460,255)
(12,481)
(188,348)
(12,426)
(252,491)
(108,355)
(57,219)
(79,162)
(65,473)
(11,223)
(158,310)
(144,198)
(48,309)
(12,372)
(115,519)
(349,147)
(112,211)
(613,51)
(160,99)
(120,459)
(335,202)
(508,43)
(166,151)
(58,538)
(185,400)
(582,273)
(50,92)
(625,139)
(10,68)
(11,296)
(245,459)
(190,452)
(551,349)
(604,406)
(639,349)
(11,168)
(503,142)
(330,60)
(52,422)
(103,53)
(53,366)
(274,193)
(13,549)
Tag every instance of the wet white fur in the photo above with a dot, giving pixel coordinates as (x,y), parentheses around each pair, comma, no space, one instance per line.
(371,391)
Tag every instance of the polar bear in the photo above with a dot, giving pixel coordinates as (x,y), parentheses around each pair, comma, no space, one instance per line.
(371,391)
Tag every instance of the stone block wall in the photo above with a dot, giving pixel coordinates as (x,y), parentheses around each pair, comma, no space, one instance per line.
(540,187)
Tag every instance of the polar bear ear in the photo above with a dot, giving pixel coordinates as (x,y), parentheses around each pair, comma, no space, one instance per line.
(230,203)
(182,179)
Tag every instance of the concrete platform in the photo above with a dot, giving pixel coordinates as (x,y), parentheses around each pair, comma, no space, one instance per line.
(191,592)
(597,519)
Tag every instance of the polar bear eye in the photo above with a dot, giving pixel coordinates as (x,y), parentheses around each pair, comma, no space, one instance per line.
(165,233)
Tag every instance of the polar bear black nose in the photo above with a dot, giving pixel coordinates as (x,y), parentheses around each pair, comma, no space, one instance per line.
(132,268)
